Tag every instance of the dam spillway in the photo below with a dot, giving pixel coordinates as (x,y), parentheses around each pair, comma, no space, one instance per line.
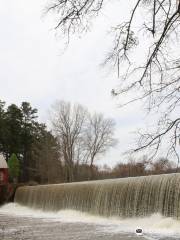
(125,197)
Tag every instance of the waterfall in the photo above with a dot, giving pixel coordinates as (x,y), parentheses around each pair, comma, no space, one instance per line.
(125,197)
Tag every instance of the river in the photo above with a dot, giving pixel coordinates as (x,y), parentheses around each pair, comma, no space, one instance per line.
(22,223)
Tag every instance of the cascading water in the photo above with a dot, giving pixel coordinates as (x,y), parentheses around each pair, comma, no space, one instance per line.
(138,196)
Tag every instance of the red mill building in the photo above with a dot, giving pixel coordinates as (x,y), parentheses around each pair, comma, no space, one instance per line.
(3,171)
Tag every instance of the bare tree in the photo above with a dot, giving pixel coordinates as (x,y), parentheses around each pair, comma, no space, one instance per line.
(99,137)
(162,165)
(74,16)
(81,137)
(156,80)
(68,122)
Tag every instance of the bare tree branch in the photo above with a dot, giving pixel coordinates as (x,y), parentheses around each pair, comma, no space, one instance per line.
(156,81)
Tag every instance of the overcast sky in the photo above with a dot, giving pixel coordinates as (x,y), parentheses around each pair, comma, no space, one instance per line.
(33,68)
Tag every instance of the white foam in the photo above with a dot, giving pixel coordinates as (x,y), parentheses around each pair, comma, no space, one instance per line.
(152,226)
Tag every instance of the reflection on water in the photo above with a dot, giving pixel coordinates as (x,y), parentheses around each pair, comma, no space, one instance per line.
(19,223)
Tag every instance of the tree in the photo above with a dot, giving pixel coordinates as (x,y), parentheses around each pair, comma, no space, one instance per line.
(14,167)
(98,137)
(68,122)
(163,165)
(2,126)
(12,131)
(29,131)
(46,164)
(154,80)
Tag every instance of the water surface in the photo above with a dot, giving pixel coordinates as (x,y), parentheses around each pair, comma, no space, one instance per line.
(22,223)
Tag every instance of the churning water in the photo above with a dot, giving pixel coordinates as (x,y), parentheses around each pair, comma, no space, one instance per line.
(83,225)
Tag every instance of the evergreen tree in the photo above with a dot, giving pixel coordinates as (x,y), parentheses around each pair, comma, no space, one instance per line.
(13,131)
(2,127)
(14,167)
(46,157)
(22,137)
(28,136)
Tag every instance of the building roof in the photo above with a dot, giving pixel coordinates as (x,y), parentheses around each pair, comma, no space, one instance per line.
(3,163)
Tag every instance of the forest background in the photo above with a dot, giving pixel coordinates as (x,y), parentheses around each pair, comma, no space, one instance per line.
(70,150)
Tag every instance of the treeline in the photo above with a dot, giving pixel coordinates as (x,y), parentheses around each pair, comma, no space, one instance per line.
(35,146)
(65,154)
(134,168)
(68,152)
